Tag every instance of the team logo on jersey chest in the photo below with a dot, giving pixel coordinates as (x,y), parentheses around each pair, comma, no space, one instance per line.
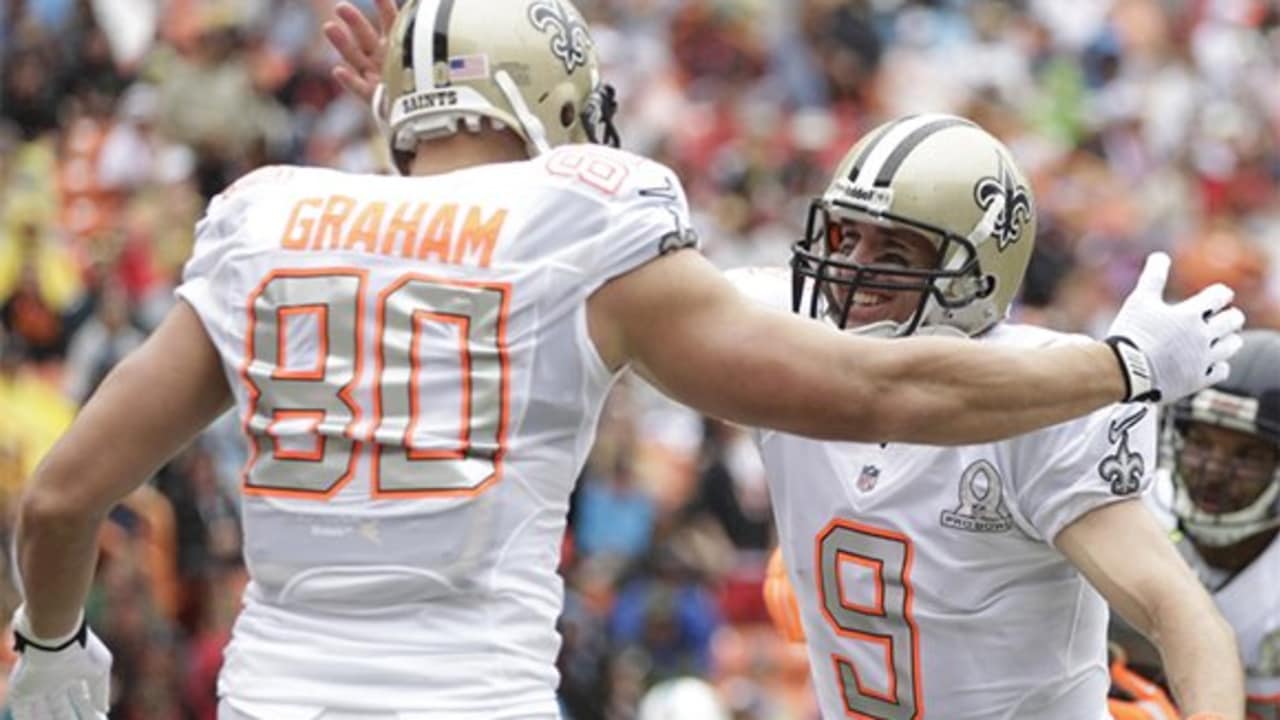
(1123,469)
(982,507)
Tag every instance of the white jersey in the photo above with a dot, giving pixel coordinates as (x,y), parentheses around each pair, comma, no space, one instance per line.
(1250,602)
(411,360)
(926,577)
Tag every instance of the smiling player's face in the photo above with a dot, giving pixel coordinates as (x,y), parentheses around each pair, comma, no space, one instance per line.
(887,249)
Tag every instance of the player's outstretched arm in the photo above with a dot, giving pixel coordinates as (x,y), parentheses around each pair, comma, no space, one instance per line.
(151,405)
(1127,556)
(684,327)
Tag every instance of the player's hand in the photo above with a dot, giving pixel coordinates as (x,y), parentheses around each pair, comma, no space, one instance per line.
(1168,351)
(362,45)
(67,678)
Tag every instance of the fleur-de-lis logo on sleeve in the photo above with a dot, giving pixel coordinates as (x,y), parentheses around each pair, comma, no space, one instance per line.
(570,40)
(1124,469)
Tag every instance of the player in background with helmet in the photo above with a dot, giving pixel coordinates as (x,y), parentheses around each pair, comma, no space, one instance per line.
(1218,486)
(420,363)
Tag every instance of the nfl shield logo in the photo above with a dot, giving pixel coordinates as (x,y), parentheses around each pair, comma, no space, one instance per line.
(868,477)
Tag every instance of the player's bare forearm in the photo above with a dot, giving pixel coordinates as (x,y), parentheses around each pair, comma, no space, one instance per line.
(691,333)
(1199,654)
(56,555)
(1127,556)
(947,391)
(150,406)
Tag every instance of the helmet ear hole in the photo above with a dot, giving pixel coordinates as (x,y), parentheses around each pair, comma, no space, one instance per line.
(568,114)
(990,286)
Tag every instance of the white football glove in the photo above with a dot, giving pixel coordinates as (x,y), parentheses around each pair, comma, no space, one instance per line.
(1170,351)
(66,678)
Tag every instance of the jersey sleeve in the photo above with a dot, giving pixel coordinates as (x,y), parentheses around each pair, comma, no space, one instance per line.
(1062,472)
(1159,501)
(215,238)
(636,212)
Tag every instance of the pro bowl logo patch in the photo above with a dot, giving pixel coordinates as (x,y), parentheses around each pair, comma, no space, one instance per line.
(570,40)
(1123,469)
(982,508)
(1017,205)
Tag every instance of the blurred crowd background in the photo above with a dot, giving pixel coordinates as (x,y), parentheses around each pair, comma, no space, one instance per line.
(1144,124)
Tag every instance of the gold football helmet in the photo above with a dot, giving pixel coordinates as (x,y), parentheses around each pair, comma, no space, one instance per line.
(526,65)
(940,176)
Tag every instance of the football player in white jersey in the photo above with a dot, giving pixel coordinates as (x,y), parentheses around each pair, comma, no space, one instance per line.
(973,581)
(420,361)
(1220,478)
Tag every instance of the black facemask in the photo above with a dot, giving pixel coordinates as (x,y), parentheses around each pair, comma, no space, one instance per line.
(811,259)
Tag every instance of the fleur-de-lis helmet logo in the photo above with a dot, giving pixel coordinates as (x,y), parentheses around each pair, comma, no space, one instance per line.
(1017,205)
(570,41)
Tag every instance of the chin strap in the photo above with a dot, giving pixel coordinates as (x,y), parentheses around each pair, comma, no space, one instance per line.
(987,225)
(1220,530)
(537,134)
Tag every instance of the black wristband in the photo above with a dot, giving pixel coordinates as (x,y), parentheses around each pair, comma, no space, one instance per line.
(22,642)
(1139,385)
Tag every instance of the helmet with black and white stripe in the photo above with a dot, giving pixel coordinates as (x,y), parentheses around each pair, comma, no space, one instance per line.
(940,176)
(526,65)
